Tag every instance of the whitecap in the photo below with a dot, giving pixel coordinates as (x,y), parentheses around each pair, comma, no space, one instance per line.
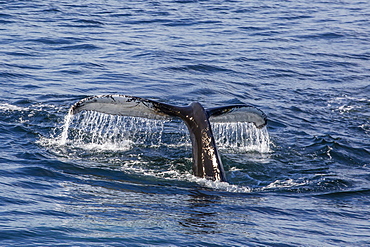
(9,107)
(288,183)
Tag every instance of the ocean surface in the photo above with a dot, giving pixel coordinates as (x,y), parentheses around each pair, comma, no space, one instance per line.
(304,180)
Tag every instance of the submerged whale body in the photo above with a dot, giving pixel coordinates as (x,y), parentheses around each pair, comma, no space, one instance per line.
(206,159)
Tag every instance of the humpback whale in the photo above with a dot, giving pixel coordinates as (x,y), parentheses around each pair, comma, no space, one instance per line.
(206,159)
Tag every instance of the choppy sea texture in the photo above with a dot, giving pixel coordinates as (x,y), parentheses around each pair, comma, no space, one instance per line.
(304,63)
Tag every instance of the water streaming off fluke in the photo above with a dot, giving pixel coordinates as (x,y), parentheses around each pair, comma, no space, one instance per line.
(93,130)
(241,137)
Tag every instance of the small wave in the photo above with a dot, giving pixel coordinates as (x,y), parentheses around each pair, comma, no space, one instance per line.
(365,128)
(345,104)
(202,68)
(288,183)
(55,40)
(9,74)
(78,47)
(9,107)
(223,186)
(349,193)
(322,35)
(205,183)
(316,183)
(89,23)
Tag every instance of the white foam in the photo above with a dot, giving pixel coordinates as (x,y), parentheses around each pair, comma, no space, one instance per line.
(288,183)
(217,185)
(106,146)
(345,104)
(9,107)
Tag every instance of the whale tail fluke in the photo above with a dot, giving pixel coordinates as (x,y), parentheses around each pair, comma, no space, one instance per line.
(238,113)
(124,105)
(206,160)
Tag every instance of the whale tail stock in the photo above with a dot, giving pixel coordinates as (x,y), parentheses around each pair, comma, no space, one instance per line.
(206,159)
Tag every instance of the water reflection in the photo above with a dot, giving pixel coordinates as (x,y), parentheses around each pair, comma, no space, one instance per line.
(202,214)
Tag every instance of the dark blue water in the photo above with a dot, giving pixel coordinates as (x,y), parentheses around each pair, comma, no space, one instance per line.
(306,64)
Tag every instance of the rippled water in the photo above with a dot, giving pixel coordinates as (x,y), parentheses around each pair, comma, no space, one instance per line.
(304,63)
